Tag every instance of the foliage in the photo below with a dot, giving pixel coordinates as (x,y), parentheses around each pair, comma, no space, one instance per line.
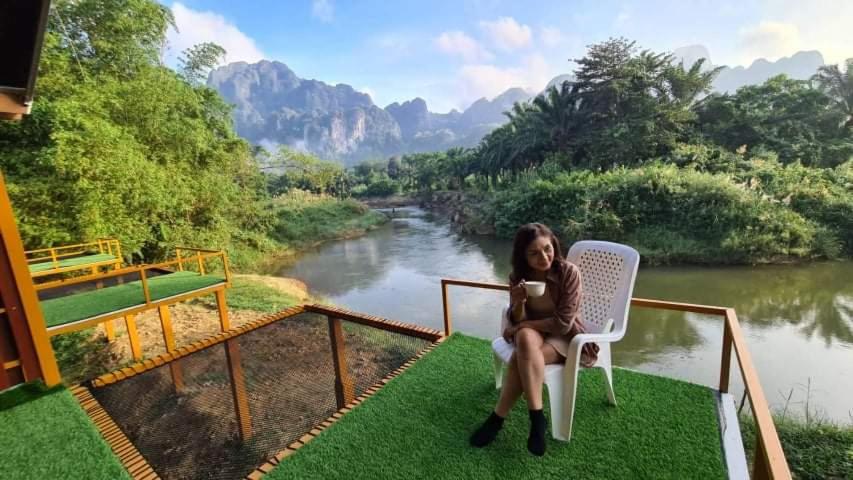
(118,145)
(198,60)
(305,222)
(304,171)
(671,214)
(785,116)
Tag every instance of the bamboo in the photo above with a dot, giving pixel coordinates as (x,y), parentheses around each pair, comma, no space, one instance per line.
(344,389)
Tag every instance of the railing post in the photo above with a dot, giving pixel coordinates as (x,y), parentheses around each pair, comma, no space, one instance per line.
(726,361)
(222,307)
(145,291)
(446,304)
(53,258)
(344,389)
(133,337)
(180,260)
(200,264)
(238,389)
(169,340)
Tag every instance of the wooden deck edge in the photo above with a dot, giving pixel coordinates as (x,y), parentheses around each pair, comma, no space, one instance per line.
(378,322)
(136,465)
(184,350)
(279,457)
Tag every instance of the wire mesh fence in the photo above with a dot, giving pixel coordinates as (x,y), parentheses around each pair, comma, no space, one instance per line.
(220,412)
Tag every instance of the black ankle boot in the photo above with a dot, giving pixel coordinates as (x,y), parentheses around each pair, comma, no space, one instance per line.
(536,440)
(488,431)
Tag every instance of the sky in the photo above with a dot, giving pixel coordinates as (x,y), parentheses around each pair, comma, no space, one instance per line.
(452,52)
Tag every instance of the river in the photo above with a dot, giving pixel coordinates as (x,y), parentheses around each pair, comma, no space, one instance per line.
(798,319)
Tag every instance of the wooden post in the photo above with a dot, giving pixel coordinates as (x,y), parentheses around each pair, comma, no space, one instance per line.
(133,336)
(169,340)
(446,303)
(109,331)
(20,301)
(759,462)
(344,389)
(222,306)
(726,361)
(238,389)
(145,291)
(180,260)
(200,264)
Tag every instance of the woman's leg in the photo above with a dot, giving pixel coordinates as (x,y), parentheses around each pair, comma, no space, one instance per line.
(511,388)
(531,365)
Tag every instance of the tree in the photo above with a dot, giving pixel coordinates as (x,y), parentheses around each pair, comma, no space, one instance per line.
(839,87)
(394,167)
(196,62)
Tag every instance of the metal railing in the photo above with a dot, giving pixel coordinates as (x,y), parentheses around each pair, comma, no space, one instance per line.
(769,459)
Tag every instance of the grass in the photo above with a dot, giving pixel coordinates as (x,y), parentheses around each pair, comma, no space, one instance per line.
(71,262)
(303,223)
(45,434)
(71,308)
(418,426)
(815,450)
(246,294)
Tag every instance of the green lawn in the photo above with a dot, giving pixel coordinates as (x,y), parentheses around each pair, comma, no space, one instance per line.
(71,308)
(71,262)
(418,426)
(45,434)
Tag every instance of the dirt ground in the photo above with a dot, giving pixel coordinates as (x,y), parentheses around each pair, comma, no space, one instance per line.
(191,321)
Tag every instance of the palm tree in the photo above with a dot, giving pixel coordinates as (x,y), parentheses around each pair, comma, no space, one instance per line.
(688,86)
(838,85)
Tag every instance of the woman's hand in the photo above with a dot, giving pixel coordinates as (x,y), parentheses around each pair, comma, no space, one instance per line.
(518,294)
(509,333)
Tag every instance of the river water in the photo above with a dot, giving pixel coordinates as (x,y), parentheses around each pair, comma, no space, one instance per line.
(798,320)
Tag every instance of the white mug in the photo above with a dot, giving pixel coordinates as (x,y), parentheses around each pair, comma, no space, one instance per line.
(535,289)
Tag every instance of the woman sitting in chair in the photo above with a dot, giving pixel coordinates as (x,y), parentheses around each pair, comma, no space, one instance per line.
(541,328)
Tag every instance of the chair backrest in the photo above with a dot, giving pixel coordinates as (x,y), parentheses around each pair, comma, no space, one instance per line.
(608,271)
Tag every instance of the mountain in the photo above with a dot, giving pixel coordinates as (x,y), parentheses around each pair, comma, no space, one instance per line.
(273,105)
(801,66)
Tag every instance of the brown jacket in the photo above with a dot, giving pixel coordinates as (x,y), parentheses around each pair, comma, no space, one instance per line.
(564,283)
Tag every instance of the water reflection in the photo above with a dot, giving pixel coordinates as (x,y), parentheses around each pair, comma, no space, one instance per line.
(803,312)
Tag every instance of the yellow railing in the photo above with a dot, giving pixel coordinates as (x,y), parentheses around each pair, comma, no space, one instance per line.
(178,264)
(109,246)
(770,462)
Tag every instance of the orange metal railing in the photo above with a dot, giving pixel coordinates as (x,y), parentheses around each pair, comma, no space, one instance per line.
(109,246)
(770,462)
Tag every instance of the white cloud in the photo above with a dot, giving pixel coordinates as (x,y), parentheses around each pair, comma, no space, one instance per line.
(769,40)
(458,43)
(507,34)
(550,36)
(194,27)
(482,80)
(368,91)
(323,10)
(823,25)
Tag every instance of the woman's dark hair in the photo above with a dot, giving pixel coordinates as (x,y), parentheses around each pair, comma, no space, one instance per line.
(523,236)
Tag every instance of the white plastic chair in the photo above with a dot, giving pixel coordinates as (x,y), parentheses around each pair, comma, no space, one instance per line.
(608,271)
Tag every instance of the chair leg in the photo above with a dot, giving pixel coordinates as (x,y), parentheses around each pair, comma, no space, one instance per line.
(605,364)
(561,393)
(499,371)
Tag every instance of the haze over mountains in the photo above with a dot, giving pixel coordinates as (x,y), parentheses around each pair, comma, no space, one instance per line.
(272,105)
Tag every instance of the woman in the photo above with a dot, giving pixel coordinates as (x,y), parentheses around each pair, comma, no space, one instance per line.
(540,327)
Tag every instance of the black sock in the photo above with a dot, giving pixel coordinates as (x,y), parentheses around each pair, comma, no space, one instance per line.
(536,440)
(488,431)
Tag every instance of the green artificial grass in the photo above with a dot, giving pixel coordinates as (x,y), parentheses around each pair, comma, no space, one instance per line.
(71,262)
(418,425)
(71,308)
(45,434)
